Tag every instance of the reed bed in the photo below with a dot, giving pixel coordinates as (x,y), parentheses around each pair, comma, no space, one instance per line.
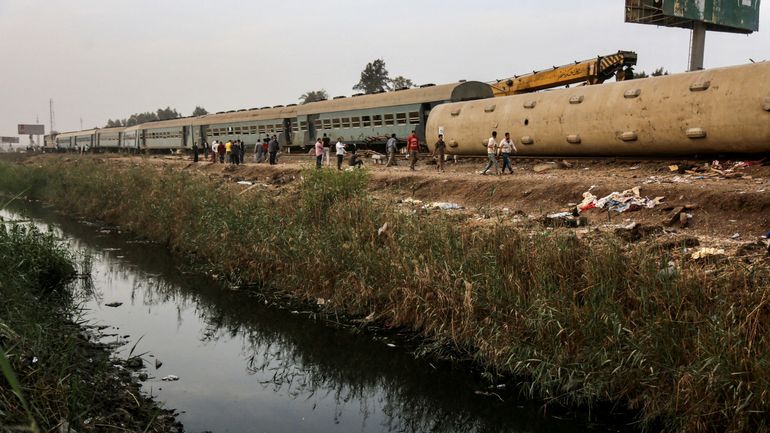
(573,321)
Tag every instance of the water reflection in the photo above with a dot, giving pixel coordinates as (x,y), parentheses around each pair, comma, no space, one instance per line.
(247,367)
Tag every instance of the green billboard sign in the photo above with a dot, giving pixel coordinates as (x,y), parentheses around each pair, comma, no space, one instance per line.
(736,16)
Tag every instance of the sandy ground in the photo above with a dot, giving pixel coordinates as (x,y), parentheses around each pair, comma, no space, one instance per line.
(728,206)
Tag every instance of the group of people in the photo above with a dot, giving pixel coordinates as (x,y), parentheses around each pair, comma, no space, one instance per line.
(234,151)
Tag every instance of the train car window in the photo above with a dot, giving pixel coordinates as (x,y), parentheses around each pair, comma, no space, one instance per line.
(366,121)
(253,129)
(336,123)
(355,122)
(295,127)
(414,118)
(327,123)
(318,124)
(278,128)
(390,119)
(303,126)
(261,129)
(237,130)
(401,118)
(346,122)
(377,120)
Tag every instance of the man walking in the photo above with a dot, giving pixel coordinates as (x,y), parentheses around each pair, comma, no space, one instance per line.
(492,154)
(412,146)
(506,146)
(391,147)
(440,150)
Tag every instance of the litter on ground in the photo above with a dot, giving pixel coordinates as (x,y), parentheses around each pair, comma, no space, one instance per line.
(628,200)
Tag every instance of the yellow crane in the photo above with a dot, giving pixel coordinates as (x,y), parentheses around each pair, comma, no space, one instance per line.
(593,71)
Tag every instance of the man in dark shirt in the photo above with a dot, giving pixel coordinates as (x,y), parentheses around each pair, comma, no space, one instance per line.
(439,150)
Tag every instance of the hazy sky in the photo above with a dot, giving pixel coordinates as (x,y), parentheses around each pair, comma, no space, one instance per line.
(101,59)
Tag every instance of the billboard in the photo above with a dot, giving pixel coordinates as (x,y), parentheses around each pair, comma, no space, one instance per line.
(9,140)
(31,130)
(734,16)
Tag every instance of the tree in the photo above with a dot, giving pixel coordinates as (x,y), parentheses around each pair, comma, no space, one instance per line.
(374,78)
(114,123)
(314,96)
(167,113)
(657,73)
(401,82)
(199,111)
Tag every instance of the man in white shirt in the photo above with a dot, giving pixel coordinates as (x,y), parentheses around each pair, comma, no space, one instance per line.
(492,153)
(340,153)
(506,146)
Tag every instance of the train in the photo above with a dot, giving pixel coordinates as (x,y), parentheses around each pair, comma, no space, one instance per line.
(359,119)
(715,111)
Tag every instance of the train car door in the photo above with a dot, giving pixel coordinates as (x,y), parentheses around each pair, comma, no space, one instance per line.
(185,131)
(287,131)
(420,129)
(312,133)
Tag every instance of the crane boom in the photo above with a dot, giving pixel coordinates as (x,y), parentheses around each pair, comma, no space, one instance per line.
(593,71)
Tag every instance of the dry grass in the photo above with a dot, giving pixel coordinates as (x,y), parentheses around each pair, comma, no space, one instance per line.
(575,321)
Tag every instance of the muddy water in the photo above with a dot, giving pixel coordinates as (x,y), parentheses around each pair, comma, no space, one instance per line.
(244,367)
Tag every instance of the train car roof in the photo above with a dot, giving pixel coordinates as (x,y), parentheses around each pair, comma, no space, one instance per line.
(246,116)
(76,133)
(67,134)
(115,129)
(170,123)
(454,92)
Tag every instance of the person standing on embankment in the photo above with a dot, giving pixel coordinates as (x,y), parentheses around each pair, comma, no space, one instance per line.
(319,152)
(439,150)
(413,147)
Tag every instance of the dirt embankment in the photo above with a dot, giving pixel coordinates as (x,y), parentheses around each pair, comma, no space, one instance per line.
(724,205)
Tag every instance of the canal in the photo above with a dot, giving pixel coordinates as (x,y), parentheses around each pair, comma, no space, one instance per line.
(246,367)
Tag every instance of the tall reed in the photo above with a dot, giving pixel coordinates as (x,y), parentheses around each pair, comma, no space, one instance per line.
(574,321)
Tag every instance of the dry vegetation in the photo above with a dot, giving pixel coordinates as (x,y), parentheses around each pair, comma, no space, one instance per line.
(575,320)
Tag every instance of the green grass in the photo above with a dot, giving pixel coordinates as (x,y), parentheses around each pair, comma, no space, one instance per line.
(574,321)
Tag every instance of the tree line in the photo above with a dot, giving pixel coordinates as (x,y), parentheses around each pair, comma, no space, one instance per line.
(152,116)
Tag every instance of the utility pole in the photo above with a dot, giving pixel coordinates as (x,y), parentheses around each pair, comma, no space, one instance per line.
(50,107)
(81,123)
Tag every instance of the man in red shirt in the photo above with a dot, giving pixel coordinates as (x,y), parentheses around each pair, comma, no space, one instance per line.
(412,146)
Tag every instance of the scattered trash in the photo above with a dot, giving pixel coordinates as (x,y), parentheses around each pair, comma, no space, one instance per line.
(442,206)
(158,363)
(628,200)
(113,304)
(679,214)
(410,200)
(320,301)
(564,219)
(383,231)
(169,378)
(670,271)
(735,236)
(706,253)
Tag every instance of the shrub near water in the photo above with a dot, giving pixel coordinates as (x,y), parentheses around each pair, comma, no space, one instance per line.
(576,321)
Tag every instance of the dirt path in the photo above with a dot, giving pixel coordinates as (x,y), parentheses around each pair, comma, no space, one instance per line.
(721,203)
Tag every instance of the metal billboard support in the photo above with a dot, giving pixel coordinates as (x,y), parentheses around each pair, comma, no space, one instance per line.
(697,45)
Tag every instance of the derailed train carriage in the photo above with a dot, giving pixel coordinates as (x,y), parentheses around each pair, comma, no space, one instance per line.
(722,110)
